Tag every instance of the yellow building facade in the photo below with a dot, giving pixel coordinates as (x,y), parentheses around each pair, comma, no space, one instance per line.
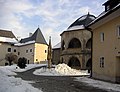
(106,45)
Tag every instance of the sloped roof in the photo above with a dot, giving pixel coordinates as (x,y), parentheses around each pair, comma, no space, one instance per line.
(37,37)
(81,22)
(104,14)
(5,33)
(57,46)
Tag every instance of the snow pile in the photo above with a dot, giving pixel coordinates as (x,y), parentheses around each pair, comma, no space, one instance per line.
(64,69)
(59,70)
(12,84)
(100,84)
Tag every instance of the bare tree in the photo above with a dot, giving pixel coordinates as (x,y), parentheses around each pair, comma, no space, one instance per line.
(11,57)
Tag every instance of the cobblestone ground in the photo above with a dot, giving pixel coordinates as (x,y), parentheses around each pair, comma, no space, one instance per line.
(56,84)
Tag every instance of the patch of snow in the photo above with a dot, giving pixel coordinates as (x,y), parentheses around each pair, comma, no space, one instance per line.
(12,84)
(60,70)
(76,27)
(57,46)
(8,70)
(100,84)
(6,39)
(92,17)
(26,43)
(15,68)
(82,18)
(46,72)
(29,66)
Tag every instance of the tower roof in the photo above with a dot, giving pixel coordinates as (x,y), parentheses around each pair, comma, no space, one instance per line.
(37,37)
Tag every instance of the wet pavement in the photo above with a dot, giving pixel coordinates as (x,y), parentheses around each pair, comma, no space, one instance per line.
(56,83)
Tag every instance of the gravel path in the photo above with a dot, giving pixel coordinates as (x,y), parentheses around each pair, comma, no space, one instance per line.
(56,84)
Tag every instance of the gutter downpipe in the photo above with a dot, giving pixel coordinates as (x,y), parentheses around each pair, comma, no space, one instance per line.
(89,29)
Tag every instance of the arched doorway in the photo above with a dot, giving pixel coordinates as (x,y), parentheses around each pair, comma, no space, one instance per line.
(74,43)
(89,65)
(74,63)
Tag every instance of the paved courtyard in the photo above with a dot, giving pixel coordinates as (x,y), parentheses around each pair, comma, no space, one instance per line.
(57,83)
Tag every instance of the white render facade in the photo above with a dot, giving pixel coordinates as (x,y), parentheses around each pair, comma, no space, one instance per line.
(35,51)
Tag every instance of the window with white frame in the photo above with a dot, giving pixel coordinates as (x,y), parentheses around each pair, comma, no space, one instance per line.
(102,37)
(102,60)
(118,31)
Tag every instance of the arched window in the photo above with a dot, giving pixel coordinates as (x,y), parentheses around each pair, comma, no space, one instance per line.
(74,63)
(74,43)
(88,44)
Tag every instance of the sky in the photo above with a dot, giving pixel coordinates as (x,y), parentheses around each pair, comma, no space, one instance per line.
(51,16)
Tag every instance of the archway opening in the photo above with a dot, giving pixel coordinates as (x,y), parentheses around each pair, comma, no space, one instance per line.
(74,63)
(63,45)
(74,43)
(89,42)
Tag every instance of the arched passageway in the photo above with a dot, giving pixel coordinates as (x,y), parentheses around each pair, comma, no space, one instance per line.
(74,43)
(89,65)
(74,63)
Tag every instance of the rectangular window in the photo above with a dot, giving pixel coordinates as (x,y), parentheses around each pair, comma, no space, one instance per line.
(118,31)
(102,62)
(26,51)
(9,49)
(18,53)
(45,51)
(102,37)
